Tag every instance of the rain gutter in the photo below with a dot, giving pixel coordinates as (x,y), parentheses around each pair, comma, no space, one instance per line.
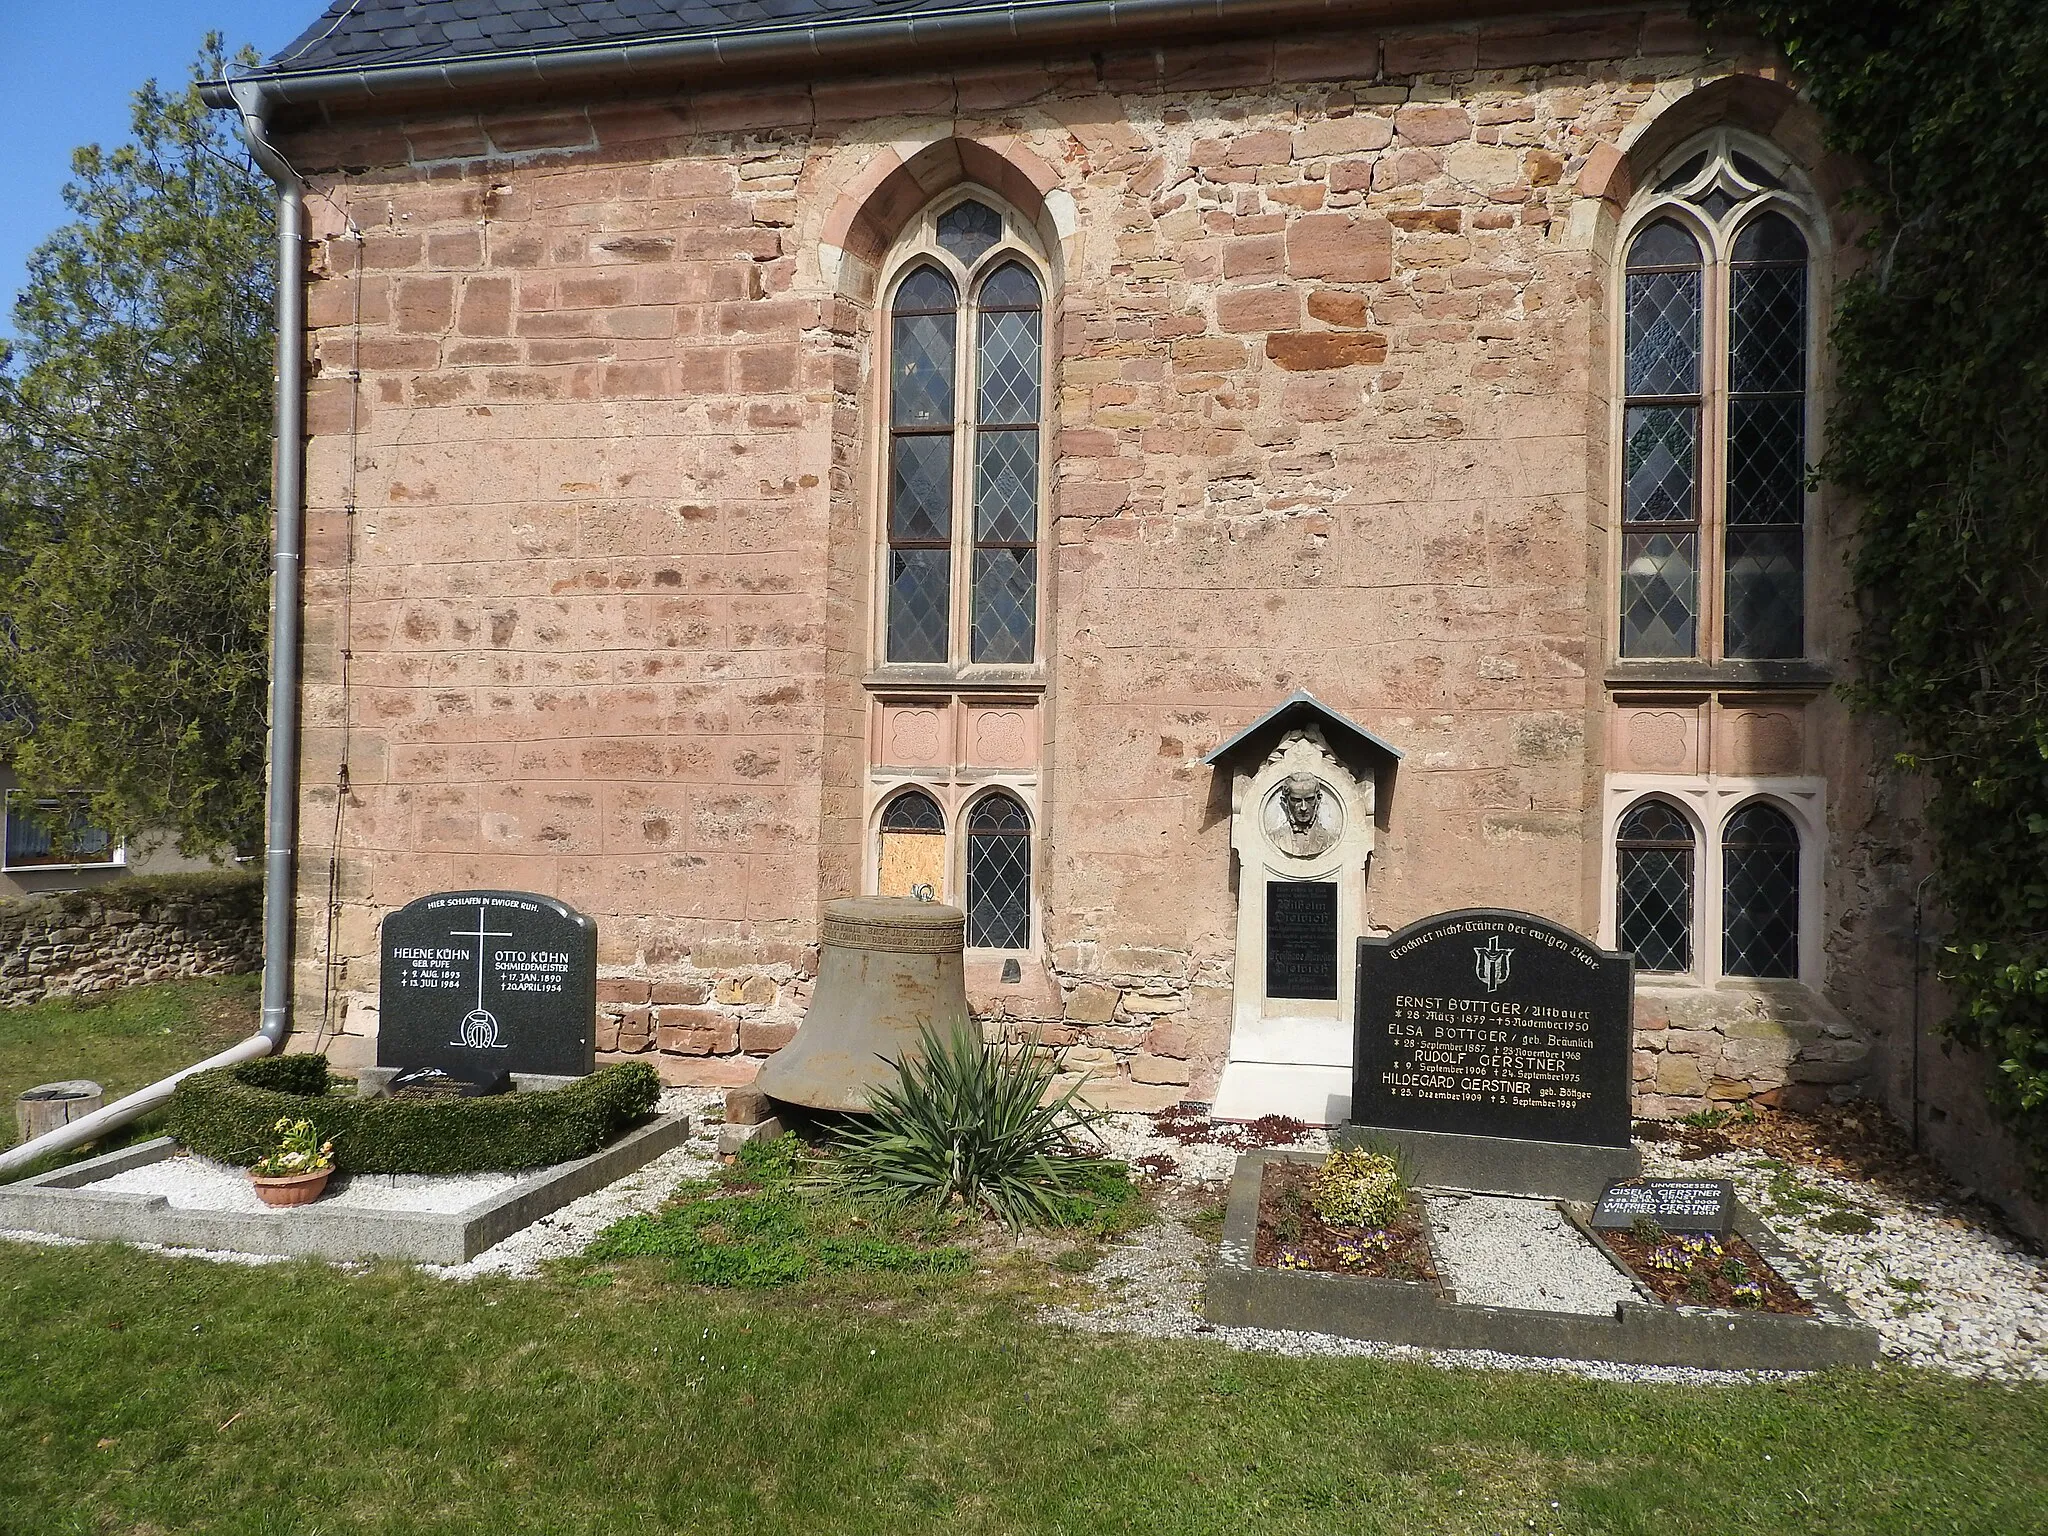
(287,502)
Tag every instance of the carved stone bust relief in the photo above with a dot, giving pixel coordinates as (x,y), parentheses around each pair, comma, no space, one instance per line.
(1303,816)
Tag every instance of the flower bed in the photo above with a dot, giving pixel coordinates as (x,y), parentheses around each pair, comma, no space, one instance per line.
(1293,1236)
(1701,1270)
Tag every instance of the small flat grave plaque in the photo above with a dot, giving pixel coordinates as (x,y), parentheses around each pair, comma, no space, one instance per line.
(433,1083)
(1494,1023)
(1301,938)
(1676,1205)
(479,983)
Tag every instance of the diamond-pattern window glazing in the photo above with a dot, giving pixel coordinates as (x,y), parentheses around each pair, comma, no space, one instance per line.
(923,338)
(920,592)
(1763,547)
(1663,346)
(1008,362)
(1662,464)
(998,874)
(1661,449)
(1659,594)
(1005,605)
(1653,918)
(1760,893)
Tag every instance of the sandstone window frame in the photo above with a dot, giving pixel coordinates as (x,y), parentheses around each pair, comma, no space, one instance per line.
(920,245)
(1709,802)
(1726,179)
(956,798)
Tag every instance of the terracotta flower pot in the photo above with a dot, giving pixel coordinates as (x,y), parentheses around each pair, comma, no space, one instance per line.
(291,1188)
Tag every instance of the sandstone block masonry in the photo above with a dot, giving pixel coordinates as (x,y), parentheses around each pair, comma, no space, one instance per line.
(593,483)
(127,933)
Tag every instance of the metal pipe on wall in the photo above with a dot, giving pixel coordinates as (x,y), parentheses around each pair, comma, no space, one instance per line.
(287,503)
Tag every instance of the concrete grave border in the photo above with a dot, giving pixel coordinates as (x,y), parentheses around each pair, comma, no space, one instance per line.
(1240,1294)
(61,1203)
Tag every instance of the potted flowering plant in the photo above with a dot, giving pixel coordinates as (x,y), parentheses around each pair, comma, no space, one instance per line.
(297,1169)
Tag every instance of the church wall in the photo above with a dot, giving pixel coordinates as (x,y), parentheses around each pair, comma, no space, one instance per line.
(1331,415)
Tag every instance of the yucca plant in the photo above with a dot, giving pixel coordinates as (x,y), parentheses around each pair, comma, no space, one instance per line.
(968,1122)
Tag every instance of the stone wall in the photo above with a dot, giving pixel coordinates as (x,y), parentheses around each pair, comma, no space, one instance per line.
(130,932)
(1779,1044)
(1329,326)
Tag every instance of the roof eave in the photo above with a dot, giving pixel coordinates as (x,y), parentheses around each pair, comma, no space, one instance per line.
(1301,701)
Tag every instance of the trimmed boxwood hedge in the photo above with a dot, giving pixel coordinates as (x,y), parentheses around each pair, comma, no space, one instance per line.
(230,1114)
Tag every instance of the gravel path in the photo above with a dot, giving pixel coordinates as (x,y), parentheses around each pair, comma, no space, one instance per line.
(1502,1252)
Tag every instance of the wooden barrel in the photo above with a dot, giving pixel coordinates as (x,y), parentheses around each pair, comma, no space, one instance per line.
(49,1105)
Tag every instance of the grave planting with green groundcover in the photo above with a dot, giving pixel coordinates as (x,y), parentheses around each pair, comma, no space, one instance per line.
(230,1114)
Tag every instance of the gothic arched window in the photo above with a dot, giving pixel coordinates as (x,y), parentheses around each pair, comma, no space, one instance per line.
(913,847)
(1653,916)
(1759,893)
(998,874)
(1713,431)
(966,431)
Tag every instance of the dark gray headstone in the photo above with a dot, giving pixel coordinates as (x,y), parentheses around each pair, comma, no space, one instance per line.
(1301,938)
(1676,1205)
(1494,1023)
(479,983)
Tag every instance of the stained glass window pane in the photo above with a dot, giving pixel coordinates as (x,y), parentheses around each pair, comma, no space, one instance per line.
(927,291)
(998,874)
(1767,460)
(1009,365)
(1753,172)
(913,811)
(1663,333)
(921,488)
(921,371)
(1664,243)
(1653,918)
(919,583)
(1006,487)
(1766,592)
(1684,173)
(1769,236)
(1659,593)
(1760,893)
(968,229)
(1661,457)
(1767,330)
(1005,605)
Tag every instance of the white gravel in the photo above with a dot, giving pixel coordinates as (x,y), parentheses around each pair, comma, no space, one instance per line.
(1943,1286)
(1496,1251)
(194,1183)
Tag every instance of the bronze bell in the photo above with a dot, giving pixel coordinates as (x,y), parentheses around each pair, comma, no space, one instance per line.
(886,966)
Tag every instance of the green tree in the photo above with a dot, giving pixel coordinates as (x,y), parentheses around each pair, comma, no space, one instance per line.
(1941,428)
(135,482)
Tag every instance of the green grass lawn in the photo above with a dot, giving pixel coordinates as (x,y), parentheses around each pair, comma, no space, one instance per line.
(146,1394)
(140,1394)
(123,1040)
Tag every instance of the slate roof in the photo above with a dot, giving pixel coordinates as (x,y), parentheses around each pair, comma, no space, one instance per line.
(359,34)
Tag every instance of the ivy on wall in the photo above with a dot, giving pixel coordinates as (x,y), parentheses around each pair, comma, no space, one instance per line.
(1940,428)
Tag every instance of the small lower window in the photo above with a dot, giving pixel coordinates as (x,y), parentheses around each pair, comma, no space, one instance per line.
(44,834)
(913,848)
(1653,921)
(998,874)
(1759,893)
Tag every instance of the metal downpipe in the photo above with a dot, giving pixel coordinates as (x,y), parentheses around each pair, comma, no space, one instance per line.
(287,502)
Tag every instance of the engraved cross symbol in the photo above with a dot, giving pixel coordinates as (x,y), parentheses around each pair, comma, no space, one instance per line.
(479,1025)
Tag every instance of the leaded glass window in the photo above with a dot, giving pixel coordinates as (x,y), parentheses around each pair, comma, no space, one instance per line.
(913,811)
(1713,430)
(1766,506)
(922,341)
(1759,893)
(1008,348)
(998,874)
(966,432)
(1660,445)
(1653,918)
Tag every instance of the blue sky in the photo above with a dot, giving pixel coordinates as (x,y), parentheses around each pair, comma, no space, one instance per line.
(67,71)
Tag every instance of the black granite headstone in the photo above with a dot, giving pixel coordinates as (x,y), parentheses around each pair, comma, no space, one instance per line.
(483,982)
(1301,938)
(1494,1023)
(1676,1205)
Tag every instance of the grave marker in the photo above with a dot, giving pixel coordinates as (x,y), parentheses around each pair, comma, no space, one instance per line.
(1494,1023)
(479,983)
(1676,1205)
